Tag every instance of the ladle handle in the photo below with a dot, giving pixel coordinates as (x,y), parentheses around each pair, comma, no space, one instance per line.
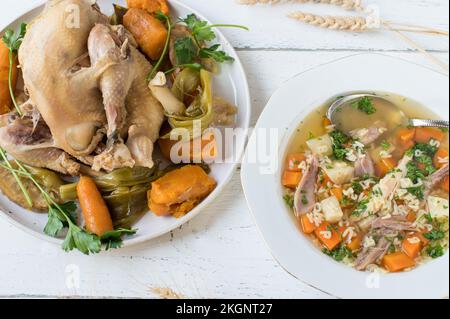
(429,123)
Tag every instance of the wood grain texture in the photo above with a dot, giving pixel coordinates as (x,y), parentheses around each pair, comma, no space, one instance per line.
(220,253)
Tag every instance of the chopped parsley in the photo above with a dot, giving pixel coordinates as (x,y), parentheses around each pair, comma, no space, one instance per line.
(365,105)
(418,191)
(339,140)
(435,251)
(304,200)
(425,148)
(385,145)
(289,200)
(357,188)
(434,235)
(338,254)
(362,208)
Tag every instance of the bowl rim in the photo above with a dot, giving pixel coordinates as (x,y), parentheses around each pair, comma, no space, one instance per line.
(245,92)
(281,254)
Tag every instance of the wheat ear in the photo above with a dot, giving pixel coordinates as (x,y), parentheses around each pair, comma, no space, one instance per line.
(354,24)
(346,4)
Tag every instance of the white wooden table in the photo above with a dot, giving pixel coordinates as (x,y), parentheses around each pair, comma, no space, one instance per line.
(220,254)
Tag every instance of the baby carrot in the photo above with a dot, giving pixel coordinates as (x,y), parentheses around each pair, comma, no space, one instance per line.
(95,212)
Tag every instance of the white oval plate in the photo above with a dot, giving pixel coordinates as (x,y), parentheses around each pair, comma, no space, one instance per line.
(231,84)
(285,110)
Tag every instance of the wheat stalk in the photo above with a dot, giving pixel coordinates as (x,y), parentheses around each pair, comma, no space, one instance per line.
(354,24)
(346,4)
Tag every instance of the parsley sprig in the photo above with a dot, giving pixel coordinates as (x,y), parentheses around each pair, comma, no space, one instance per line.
(13,41)
(61,216)
(189,50)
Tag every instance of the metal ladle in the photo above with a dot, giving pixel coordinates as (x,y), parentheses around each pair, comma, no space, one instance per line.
(411,122)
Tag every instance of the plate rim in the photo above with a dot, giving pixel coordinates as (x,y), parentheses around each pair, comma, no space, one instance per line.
(132,241)
(284,139)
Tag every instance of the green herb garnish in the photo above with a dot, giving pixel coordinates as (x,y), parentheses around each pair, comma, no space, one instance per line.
(365,105)
(289,200)
(385,145)
(62,216)
(434,235)
(361,208)
(338,254)
(191,49)
(435,251)
(339,140)
(13,42)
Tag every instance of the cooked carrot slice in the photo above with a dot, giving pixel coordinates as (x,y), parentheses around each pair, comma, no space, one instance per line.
(355,244)
(328,236)
(397,262)
(293,162)
(440,158)
(425,134)
(307,226)
(384,166)
(338,193)
(291,179)
(405,136)
(326,122)
(412,248)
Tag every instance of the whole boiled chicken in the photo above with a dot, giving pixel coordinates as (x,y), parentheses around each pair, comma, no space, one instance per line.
(87,82)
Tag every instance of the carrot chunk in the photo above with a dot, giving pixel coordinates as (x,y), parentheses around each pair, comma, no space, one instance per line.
(412,246)
(338,193)
(328,236)
(152,6)
(425,134)
(397,262)
(440,158)
(355,244)
(291,179)
(384,166)
(293,162)
(95,212)
(405,136)
(307,226)
(326,122)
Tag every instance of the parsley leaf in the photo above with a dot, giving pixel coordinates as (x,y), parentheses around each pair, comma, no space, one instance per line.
(434,235)
(186,51)
(57,221)
(79,239)
(361,208)
(200,29)
(113,239)
(289,200)
(435,251)
(418,191)
(414,173)
(13,40)
(214,53)
(385,145)
(426,148)
(357,187)
(365,105)
(339,140)
(338,254)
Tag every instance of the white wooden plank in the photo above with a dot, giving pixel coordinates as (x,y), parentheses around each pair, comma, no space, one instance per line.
(218,254)
(270,29)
